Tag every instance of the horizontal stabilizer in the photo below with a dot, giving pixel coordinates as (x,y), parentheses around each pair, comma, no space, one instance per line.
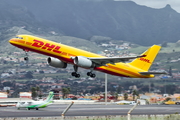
(148,73)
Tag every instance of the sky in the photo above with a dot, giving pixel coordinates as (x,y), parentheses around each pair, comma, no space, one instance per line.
(175,4)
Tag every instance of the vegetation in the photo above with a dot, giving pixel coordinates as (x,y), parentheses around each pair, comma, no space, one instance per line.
(65,92)
(133,117)
(163,60)
(36,92)
(116,20)
(125,96)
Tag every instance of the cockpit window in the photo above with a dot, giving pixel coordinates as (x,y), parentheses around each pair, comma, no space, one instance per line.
(21,103)
(19,37)
(29,102)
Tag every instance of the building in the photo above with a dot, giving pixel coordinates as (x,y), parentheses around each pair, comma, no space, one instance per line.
(25,95)
(3,95)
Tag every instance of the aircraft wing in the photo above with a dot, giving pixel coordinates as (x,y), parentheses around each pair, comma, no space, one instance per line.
(112,60)
(148,73)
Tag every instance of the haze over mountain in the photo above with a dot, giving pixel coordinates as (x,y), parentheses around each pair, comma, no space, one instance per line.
(119,20)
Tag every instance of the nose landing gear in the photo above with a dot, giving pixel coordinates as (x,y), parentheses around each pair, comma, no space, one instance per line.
(26,58)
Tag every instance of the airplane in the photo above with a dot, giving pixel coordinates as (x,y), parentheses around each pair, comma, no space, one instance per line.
(36,104)
(126,102)
(60,55)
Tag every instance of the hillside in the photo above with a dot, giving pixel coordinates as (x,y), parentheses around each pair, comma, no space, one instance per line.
(119,20)
(169,48)
(104,21)
(93,45)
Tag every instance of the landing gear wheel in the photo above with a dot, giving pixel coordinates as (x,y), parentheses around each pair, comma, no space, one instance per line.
(26,58)
(77,75)
(89,73)
(26,55)
(37,109)
(28,108)
(73,73)
(93,75)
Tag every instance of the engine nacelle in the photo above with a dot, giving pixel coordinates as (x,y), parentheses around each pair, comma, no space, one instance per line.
(83,62)
(56,63)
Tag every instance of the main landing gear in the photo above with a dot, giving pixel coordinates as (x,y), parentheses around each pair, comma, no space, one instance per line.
(75,74)
(90,74)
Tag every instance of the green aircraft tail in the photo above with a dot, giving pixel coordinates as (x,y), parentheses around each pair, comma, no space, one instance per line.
(50,97)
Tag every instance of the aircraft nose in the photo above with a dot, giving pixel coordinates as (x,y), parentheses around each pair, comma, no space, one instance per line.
(17,105)
(12,41)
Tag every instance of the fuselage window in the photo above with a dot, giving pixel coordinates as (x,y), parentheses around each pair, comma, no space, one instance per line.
(19,37)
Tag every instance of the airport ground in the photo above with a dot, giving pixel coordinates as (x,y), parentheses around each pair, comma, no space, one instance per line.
(76,110)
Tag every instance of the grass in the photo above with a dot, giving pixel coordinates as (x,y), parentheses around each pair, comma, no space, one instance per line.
(138,50)
(170,48)
(134,117)
(54,75)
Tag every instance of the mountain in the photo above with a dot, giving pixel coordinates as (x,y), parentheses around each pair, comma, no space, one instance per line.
(119,20)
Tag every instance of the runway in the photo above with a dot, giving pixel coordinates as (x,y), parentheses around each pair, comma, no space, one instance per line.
(89,110)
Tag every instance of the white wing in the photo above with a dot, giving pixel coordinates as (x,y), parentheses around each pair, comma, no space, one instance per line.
(112,60)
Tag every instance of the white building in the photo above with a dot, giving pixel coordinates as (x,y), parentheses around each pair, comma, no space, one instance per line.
(25,94)
(3,95)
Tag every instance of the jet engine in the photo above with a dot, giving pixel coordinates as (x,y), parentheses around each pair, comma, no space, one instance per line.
(56,63)
(83,62)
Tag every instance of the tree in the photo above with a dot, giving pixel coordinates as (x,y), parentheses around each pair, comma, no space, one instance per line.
(171,89)
(38,91)
(37,88)
(34,93)
(135,93)
(8,83)
(125,96)
(5,62)
(65,92)
(116,95)
(29,75)
(41,72)
(167,99)
(119,89)
(170,71)
(8,91)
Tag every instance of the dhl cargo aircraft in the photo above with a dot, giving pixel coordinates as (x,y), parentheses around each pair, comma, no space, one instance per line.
(61,55)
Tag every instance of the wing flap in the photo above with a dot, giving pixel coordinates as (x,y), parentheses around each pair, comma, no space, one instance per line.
(112,60)
(148,73)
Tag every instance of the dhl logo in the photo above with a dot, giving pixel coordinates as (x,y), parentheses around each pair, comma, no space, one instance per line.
(46,46)
(145,60)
